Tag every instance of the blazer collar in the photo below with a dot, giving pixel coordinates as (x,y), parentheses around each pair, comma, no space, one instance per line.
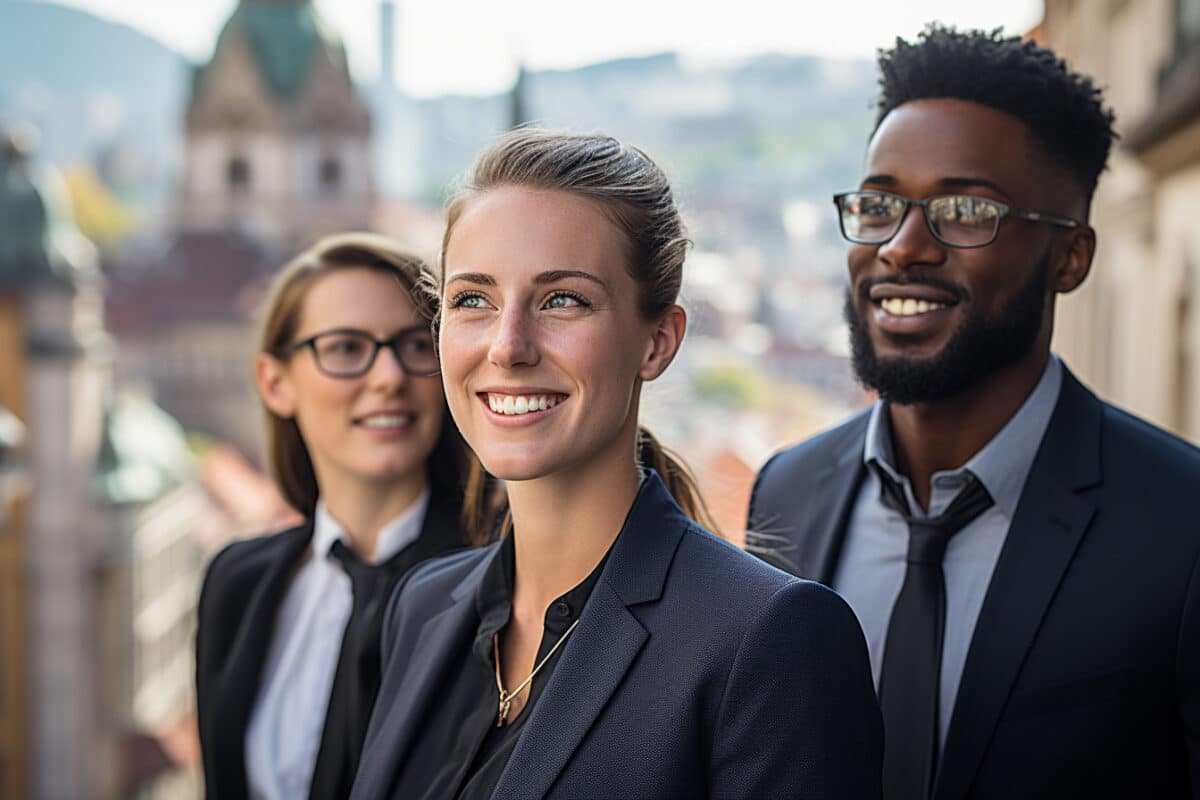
(597,656)
(238,681)
(592,664)
(818,551)
(1051,519)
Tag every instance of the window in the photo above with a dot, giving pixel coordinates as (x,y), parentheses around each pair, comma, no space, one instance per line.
(329,175)
(237,174)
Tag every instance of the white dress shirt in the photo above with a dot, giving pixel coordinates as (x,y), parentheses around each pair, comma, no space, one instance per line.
(285,727)
(871,569)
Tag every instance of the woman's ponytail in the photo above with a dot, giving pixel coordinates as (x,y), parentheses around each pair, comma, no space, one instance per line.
(678,477)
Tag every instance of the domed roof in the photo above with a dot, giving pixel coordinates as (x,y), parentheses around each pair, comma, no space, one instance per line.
(38,237)
(285,36)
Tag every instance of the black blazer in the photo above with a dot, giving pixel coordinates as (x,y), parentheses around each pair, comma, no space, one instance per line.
(1083,676)
(242,592)
(696,671)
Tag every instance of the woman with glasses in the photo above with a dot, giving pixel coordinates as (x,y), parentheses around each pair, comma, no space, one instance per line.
(360,443)
(607,646)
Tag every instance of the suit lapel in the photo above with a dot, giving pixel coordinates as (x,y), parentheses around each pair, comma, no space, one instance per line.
(840,483)
(820,527)
(1045,533)
(240,676)
(594,661)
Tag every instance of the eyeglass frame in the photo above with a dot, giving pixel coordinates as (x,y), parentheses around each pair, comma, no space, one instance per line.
(392,343)
(1005,210)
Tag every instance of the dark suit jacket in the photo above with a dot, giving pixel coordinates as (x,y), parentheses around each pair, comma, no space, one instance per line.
(242,592)
(1083,676)
(696,671)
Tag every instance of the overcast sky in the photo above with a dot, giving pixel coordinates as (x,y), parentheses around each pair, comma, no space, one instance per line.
(472,46)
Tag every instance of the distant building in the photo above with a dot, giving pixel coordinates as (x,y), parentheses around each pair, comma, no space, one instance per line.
(277,148)
(277,139)
(183,326)
(98,557)
(1133,330)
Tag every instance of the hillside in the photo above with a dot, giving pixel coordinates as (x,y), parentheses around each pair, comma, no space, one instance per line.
(98,91)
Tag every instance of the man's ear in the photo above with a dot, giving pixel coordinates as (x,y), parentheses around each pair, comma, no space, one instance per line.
(664,343)
(274,386)
(1075,261)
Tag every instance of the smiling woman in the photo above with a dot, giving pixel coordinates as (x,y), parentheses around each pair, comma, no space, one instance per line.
(607,645)
(361,444)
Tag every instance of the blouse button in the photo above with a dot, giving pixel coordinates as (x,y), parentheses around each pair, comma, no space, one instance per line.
(562,609)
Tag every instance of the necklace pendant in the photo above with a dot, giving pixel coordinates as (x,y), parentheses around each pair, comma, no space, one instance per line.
(505,705)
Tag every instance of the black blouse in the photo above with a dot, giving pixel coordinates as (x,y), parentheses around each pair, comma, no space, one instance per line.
(461,753)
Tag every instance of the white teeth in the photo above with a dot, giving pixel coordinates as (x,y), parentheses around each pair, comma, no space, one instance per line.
(387,420)
(908,306)
(511,405)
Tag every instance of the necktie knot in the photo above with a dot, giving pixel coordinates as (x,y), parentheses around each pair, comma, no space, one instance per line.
(927,540)
(928,536)
(363,577)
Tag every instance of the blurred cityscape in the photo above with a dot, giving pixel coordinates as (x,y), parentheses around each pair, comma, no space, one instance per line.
(145,202)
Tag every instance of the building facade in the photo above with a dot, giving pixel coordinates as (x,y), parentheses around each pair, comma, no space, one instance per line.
(98,537)
(277,139)
(1133,330)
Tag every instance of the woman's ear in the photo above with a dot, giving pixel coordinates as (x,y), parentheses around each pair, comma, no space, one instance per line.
(274,386)
(664,343)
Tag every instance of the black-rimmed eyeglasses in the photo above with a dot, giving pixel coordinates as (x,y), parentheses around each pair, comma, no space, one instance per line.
(349,353)
(955,220)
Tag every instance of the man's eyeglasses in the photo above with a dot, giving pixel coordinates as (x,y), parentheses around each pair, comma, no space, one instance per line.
(955,220)
(348,353)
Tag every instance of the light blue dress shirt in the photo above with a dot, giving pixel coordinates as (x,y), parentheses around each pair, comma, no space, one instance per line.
(870,571)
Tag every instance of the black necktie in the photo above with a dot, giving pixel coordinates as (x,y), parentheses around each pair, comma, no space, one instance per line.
(356,681)
(910,681)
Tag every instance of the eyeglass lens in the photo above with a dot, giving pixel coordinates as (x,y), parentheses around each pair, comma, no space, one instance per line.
(347,353)
(962,220)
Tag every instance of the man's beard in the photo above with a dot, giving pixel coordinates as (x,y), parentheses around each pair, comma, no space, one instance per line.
(978,348)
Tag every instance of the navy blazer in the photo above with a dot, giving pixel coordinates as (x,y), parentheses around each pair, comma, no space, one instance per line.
(1083,674)
(239,602)
(696,671)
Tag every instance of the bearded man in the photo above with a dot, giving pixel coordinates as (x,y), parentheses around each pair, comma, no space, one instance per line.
(1021,555)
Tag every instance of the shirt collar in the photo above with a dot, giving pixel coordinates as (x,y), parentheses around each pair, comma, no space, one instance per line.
(397,534)
(493,597)
(1004,462)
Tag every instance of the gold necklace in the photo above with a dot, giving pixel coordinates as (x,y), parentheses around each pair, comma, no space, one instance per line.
(506,697)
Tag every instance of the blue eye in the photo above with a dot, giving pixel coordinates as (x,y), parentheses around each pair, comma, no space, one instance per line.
(566,300)
(468,300)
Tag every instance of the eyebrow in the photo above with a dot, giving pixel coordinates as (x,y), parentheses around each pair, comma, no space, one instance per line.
(555,275)
(401,331)
(954,182)
(549,276)
(481,278)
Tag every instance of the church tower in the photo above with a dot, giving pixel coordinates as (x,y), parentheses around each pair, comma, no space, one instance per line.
(277,139)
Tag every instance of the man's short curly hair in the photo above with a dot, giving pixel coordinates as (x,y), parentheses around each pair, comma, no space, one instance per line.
(1064,110)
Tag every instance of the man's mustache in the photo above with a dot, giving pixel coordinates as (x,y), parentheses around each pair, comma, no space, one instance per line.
(866,284)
